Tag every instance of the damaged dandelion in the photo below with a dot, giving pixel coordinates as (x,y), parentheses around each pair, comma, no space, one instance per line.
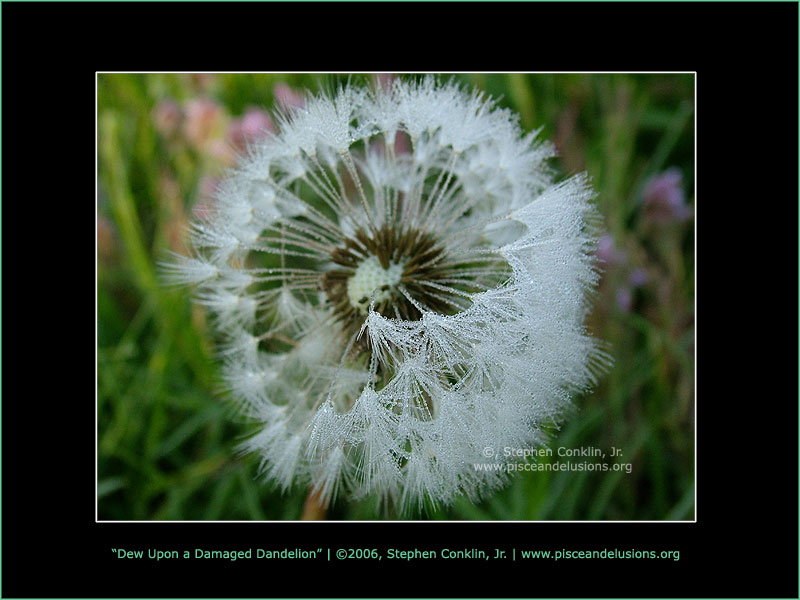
(387,315)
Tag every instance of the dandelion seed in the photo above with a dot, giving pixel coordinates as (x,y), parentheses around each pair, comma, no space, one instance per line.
(386,315)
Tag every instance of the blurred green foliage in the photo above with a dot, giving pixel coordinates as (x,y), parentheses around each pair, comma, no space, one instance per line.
(166,438)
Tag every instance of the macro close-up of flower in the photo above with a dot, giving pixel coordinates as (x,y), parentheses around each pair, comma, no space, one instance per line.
(395,297)
(347,321)
(391,310)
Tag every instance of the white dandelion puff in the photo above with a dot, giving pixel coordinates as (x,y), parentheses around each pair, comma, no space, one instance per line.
(387,316)
(183,270)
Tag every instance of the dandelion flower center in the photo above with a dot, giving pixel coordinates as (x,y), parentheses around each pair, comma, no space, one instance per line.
(406,271)
(371,277)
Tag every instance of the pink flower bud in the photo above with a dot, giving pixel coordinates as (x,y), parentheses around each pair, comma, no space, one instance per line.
(607,251)
(664,200)
(253,125)
(203,117)
(287,96)
(167,117)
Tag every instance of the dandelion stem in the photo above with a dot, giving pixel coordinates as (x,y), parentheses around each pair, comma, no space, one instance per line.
(313,509)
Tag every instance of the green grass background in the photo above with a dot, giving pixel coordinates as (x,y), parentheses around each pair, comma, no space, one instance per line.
(165,436)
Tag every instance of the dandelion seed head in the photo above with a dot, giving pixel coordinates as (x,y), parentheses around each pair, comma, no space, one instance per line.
(385,316)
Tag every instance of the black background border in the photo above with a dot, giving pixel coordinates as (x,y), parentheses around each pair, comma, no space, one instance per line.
(746,58)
